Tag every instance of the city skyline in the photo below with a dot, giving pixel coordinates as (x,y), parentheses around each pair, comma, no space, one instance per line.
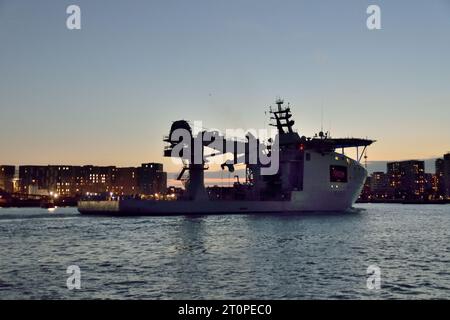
(106,94)
(224,178)
(372,166)
(400,180)
(213,153)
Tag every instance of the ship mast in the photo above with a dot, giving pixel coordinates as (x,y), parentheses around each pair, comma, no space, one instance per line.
(282,117)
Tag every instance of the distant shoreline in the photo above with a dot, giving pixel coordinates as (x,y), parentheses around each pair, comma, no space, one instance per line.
(400,201)
(441,202)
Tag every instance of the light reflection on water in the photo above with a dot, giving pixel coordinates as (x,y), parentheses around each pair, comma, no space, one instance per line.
(236,257)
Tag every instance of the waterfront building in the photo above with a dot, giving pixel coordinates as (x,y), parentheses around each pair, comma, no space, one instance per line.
(447,175)
(62,180)
(406,179)
(440,180)
(429,186)
(75,181)
(7,178)
(152,179)
(442,167)
(435,186)
(125,181)
(366,194)
(379,185)
(98,179)
(33,179)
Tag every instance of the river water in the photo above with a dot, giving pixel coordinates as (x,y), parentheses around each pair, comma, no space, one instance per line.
(227,256)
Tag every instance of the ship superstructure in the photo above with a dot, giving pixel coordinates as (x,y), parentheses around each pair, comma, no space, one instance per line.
(310,175)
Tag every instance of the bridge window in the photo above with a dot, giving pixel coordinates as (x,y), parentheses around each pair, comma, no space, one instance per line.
(338,174)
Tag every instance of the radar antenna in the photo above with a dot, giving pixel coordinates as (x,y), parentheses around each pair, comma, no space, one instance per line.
(282,117)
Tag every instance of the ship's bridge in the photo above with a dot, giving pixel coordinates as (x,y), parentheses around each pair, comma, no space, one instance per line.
(331,144)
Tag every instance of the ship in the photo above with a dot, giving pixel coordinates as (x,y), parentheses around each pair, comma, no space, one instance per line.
(313,174)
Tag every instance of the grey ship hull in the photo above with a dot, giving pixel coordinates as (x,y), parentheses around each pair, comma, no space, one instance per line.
(318,195)
(159,208)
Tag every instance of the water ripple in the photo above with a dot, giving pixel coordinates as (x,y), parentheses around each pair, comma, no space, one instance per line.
(220,257)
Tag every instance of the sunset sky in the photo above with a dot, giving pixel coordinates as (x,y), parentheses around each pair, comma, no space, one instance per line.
(106,94)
